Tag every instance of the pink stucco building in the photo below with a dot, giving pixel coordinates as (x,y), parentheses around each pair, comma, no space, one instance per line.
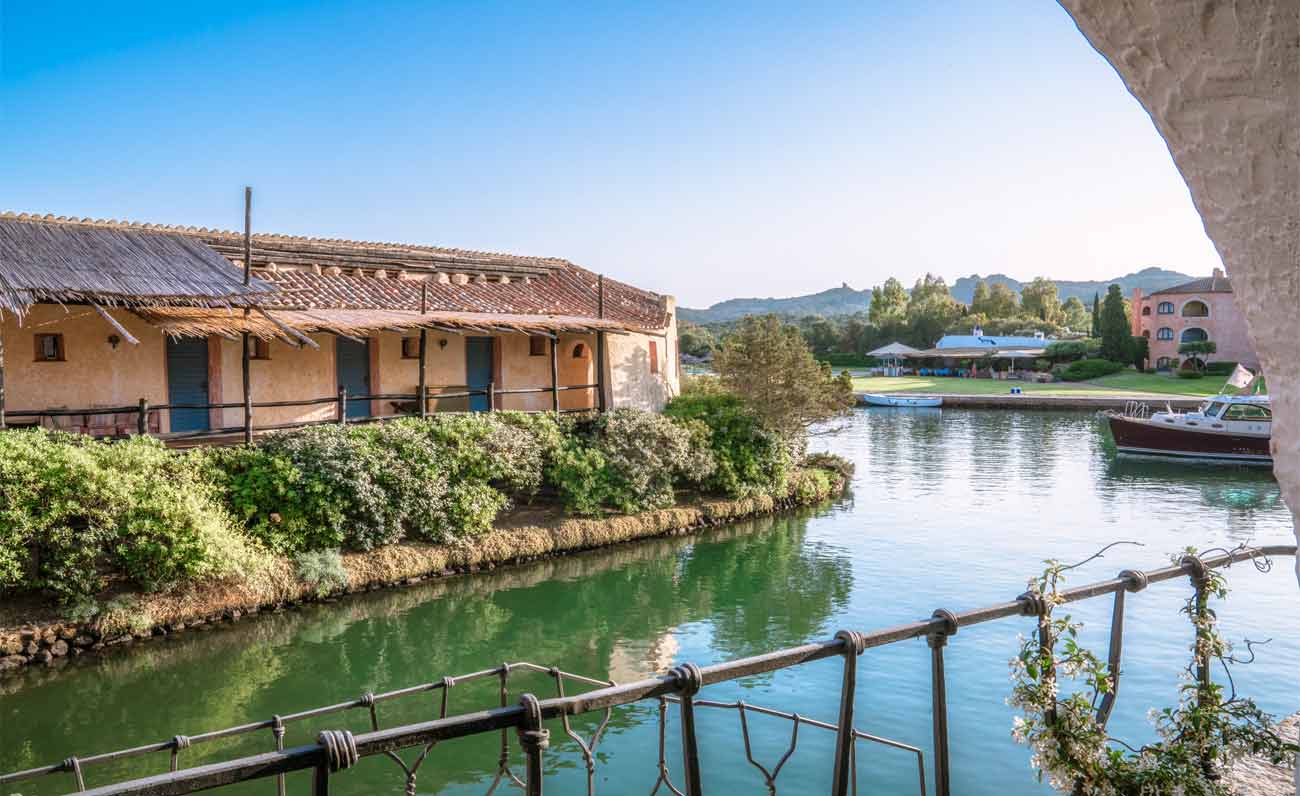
(1202,309)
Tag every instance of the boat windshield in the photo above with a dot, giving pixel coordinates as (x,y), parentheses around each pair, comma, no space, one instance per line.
(1248,412)
(1214,409)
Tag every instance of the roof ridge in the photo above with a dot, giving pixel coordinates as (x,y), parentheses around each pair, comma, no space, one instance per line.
(144,226)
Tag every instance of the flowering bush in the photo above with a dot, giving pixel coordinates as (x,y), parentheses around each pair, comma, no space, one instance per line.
(1199,737)
(74,512)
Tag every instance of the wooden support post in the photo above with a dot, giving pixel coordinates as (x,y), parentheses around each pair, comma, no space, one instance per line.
(343,405)
(600,344)
(2,374)
(492,396)
(142,418)
(555,374)
(423,388)
(248,277)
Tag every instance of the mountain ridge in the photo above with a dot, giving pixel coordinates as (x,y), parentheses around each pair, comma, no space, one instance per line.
(845,300)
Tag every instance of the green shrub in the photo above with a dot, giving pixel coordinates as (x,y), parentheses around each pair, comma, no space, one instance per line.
(1067,350)
(322,570)
(833,462)
(1188,373)
(629,460)
(748,459)
(1219,368)
(1085,369)
(74,511)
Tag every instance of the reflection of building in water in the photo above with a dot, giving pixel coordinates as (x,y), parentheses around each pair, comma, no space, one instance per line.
(636,659)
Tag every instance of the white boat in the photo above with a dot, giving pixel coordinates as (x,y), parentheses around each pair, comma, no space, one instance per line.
(873,399)
(1227,428)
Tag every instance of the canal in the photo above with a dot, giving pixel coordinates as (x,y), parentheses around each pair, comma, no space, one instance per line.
(951,509)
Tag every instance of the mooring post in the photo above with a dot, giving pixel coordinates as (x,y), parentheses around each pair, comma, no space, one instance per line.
(534,739)
(689,682)
(939,700)
(854,645)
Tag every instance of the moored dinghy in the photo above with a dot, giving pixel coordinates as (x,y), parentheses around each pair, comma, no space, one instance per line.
(872,399)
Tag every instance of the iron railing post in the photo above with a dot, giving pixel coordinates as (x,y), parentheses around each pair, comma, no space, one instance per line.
(854,645)
(1200,577)
(534,738)
(339,751)
(1137,581)
(939,700)
(689,681)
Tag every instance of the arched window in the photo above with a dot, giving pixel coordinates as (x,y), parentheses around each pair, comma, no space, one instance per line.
(580,351)
(1165,333)
(1196,309)
(1162,363)
(1193,335)
(1165,308)
(1146,310)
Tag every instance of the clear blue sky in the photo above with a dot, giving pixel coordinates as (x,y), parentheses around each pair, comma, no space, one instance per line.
(704,150)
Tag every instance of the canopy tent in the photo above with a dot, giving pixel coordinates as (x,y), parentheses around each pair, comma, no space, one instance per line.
(893,353)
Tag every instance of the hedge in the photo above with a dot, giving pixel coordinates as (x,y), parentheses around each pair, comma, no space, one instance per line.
(78,516)
(1086,369)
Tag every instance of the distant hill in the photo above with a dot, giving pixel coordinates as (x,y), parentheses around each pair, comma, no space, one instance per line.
(844,300)
(1148,279)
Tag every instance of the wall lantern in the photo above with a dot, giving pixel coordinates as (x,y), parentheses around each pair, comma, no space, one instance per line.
(114,340)
(442,343)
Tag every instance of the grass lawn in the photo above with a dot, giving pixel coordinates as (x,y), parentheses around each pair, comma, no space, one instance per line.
(1126,383)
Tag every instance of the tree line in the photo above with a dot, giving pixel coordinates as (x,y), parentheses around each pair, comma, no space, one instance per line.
(921,316)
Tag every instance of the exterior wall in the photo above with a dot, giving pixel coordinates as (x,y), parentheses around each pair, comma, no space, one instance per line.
(1225,325)
(631,382)
(577,370)
(94,373)
(291,374)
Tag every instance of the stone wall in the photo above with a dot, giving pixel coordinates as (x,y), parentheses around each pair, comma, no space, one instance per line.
(1221,81)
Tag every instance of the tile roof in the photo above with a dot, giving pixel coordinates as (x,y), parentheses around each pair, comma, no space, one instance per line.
(327,273)
(1210,284)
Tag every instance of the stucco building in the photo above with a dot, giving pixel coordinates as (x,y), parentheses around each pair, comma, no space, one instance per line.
(103,315)
(1195,311)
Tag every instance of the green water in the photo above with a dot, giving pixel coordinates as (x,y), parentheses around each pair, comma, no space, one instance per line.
(948,509)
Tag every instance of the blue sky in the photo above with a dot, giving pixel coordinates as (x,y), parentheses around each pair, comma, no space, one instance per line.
(699,149)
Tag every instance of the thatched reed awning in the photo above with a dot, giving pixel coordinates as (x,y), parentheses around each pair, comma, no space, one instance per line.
(43,261)
(194,322)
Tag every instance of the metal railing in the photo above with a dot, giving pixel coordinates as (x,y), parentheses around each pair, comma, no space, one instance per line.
(337,750)
(145,413)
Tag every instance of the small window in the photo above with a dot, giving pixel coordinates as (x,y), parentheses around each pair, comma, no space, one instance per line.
(1165,308)
(261,349)
(1162,363)
(1247,412)
(580,351)
(537,346)
(1195,335)
(410,348)
(49,348)
(1146,310)
(1165,333)
(654,356)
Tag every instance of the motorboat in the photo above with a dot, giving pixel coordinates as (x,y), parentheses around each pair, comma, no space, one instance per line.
(873,399)
(1226,428)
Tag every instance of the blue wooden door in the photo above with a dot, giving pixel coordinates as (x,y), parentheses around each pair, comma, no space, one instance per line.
(354,373)
(478,369)
(187,382)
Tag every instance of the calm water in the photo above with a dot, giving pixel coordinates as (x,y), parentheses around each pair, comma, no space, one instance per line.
(949,509)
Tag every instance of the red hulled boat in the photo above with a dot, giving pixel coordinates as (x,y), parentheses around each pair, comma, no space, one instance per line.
(1227,428)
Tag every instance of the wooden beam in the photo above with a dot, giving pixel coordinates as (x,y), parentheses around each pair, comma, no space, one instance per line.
(292,333)
(248,273)
(103,313)
(2,372)
(555,375)
(423,387)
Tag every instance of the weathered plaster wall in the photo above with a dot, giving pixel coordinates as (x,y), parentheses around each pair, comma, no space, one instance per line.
(577,370)
(291,374)
(636,378)
(1221,81)
(94,372)
(519,369)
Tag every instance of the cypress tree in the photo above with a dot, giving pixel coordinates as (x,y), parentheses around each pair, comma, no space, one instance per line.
(1115,330)
(1096,316)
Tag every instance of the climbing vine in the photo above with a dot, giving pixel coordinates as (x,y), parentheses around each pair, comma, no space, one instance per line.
(1210,727)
